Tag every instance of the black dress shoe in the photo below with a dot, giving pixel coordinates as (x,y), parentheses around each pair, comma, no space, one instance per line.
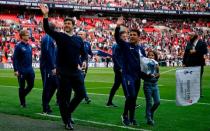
(69,126)
(49,111)
(125,120)
(111,105)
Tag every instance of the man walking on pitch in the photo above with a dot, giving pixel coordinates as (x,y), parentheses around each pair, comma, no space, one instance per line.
(70,48)
(22,63)
(48,70)
(88,50)
(131,71)
(117,61)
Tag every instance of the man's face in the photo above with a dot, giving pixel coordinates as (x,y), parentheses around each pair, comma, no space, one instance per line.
(82,35)
(25,37)
(134,38)
(68,26)
(124,36)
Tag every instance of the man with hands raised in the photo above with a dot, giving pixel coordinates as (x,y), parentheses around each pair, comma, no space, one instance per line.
(69,49)
(131,70)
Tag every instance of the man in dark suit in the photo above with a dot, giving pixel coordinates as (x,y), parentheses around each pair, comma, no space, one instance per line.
(194,54)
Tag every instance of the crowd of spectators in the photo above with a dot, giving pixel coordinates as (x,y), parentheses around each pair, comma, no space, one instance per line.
(186,5)
(168,37)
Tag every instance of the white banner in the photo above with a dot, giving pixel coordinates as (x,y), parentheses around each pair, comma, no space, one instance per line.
(36,65)
(187,86)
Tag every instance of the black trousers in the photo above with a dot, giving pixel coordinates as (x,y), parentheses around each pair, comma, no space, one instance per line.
(116,85)
(67,105)
(50,84)
(24,78)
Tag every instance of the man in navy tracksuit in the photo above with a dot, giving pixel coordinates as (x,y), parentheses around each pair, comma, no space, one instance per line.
(88,50)
(48,70)
(117,61)
(131,71)
(69,49)
(22,63)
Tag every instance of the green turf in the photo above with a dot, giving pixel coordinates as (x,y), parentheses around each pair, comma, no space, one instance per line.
(99,81)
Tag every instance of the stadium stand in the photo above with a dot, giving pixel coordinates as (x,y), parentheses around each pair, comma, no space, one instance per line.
(168,36)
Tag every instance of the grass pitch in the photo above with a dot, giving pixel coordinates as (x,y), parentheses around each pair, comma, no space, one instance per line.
(168,117)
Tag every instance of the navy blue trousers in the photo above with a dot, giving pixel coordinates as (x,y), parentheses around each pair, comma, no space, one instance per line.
(24,78)
(50,84)
(131,89)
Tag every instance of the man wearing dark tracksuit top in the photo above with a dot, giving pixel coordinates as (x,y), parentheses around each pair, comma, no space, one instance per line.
(22,63)
(88,50)
(117,61)
(69,50)
(48,70)
(131,71)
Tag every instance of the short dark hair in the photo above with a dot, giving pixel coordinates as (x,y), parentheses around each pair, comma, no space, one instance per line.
(69,19)
(135,30)
(122,32)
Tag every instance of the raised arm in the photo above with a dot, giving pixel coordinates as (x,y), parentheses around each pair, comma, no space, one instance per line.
(120,42)
(120,22)
(45,10)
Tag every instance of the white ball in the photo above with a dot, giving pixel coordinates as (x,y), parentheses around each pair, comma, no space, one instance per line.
(144,21)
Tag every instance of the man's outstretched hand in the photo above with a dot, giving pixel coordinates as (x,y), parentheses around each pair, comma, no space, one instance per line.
(45,10)
(120,21)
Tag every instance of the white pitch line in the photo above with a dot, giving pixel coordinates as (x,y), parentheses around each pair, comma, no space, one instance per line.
(164,72)
(39,78)
(94,122)
(144,98)
(200,103)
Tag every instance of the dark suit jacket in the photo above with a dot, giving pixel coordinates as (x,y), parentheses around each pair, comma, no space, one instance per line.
(195,59)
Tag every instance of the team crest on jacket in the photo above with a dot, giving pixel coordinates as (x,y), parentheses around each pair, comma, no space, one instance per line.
(23,49)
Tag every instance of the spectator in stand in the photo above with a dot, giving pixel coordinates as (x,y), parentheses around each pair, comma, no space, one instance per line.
(194,55)
(70,48)
(22,63)
(166,41)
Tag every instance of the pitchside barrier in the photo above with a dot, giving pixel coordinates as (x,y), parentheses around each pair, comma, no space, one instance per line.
(36,65)
(102,64)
